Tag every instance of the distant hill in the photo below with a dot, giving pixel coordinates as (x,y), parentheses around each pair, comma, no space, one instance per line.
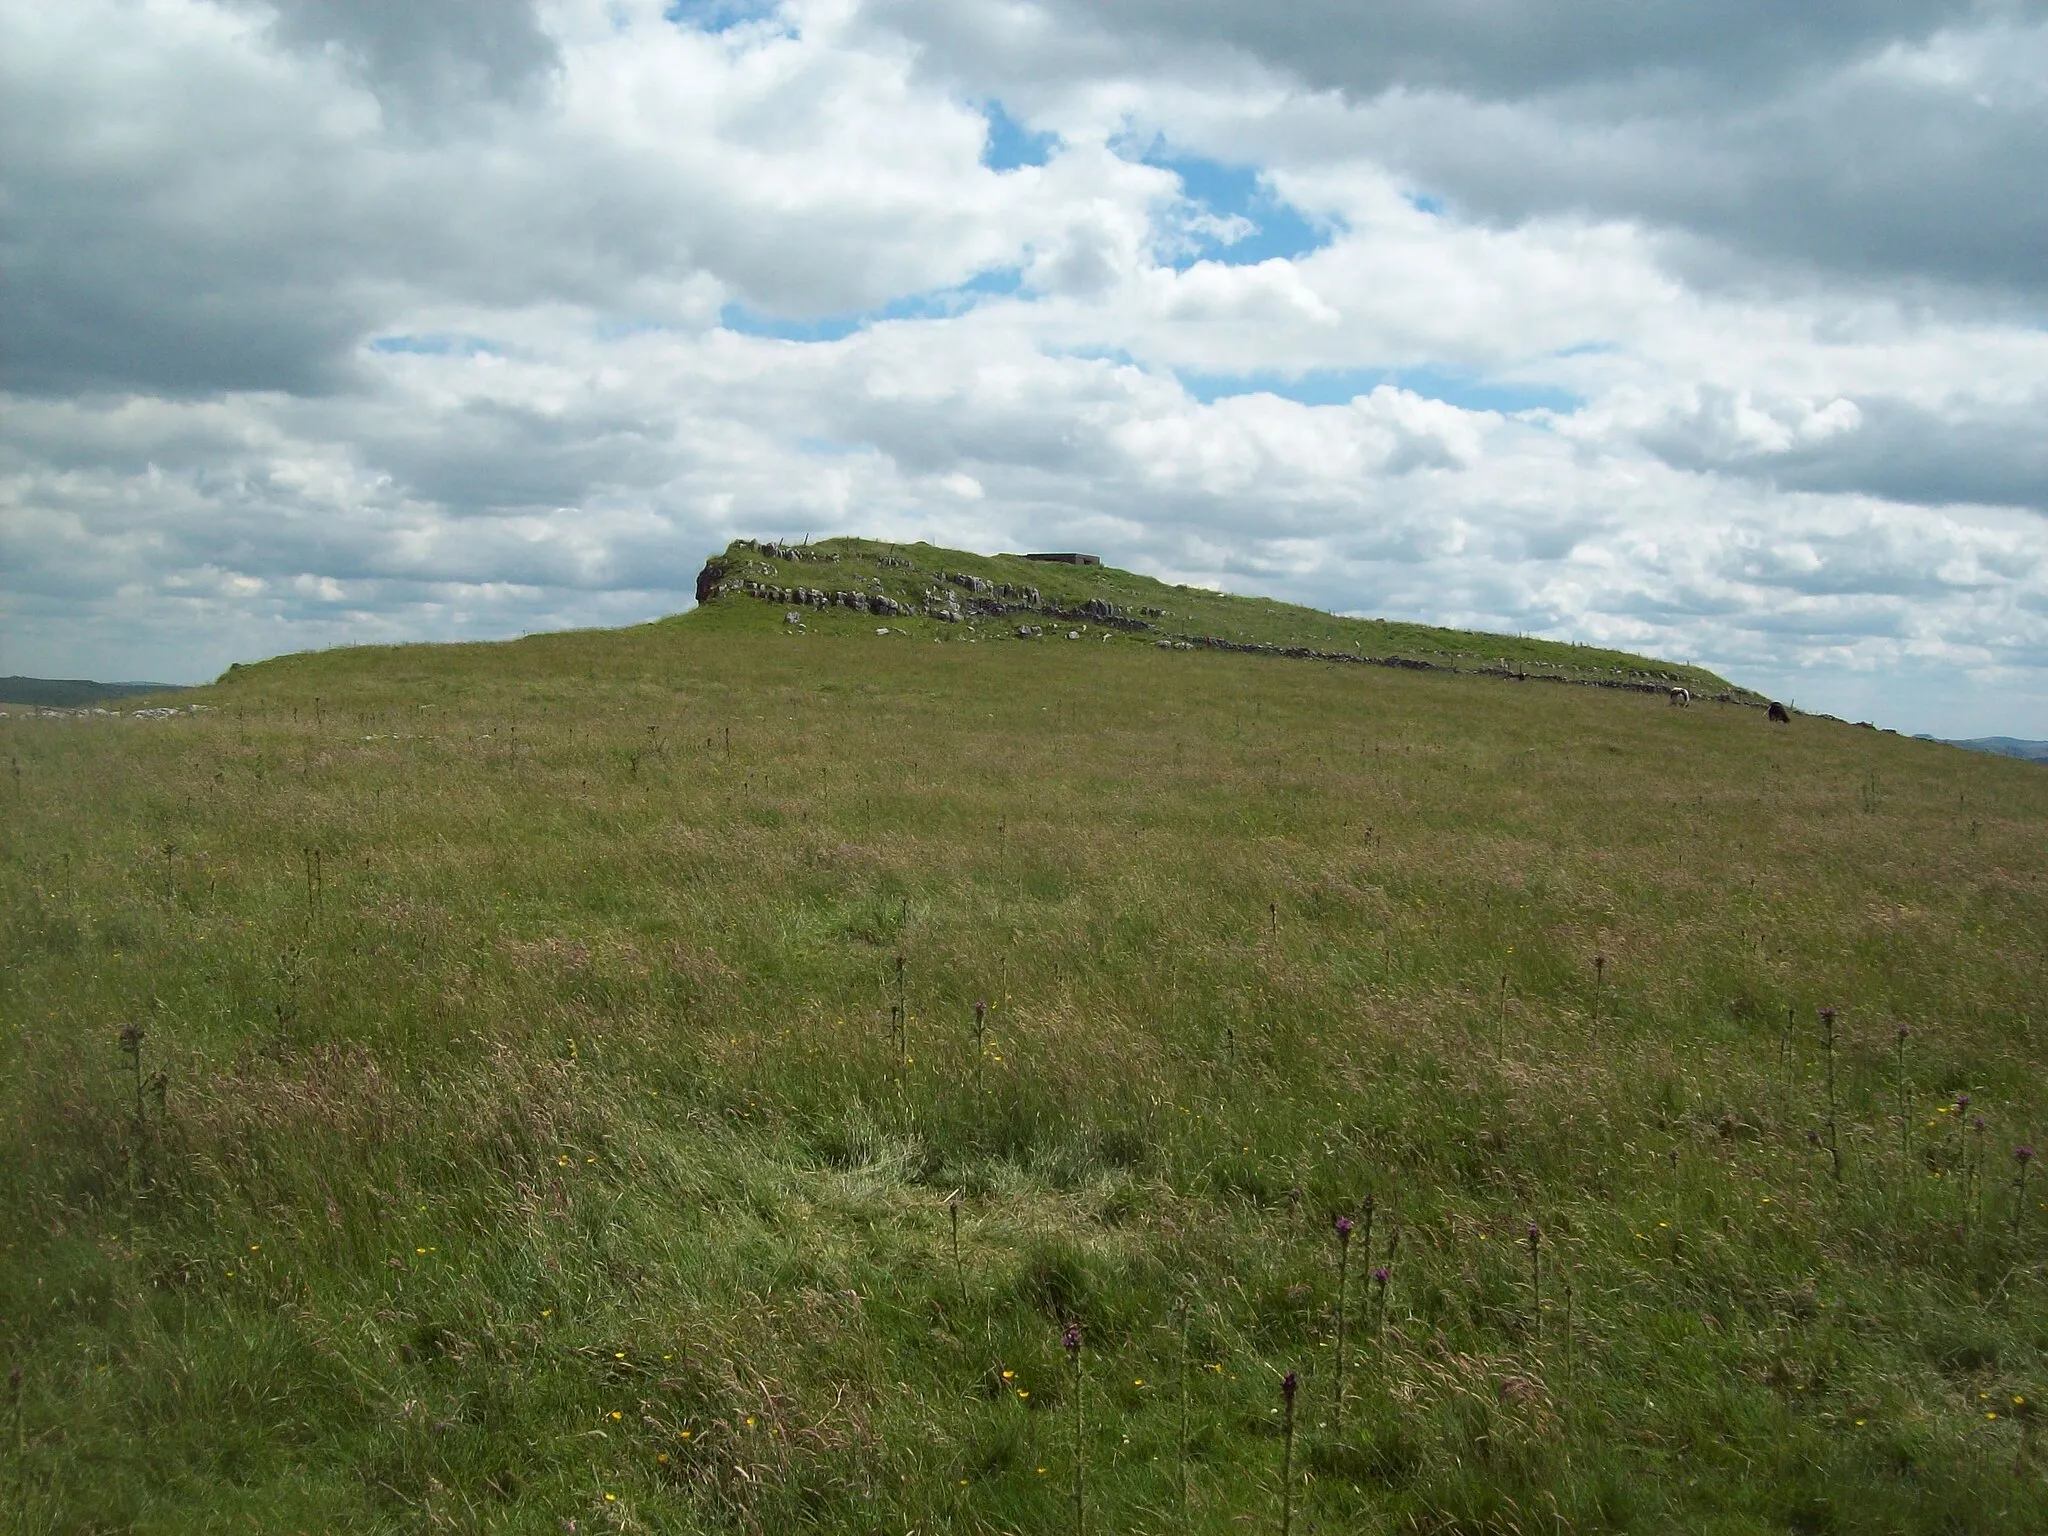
(70,692)
(2008,746)
(850,582)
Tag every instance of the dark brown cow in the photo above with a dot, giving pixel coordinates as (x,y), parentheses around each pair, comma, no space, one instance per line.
(1779,714)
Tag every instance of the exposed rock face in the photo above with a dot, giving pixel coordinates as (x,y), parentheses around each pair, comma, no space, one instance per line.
(942,605)
(799,552)
(708,580)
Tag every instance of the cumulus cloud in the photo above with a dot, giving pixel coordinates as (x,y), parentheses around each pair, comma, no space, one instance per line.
(424,54)
(1990,453)
(330,320)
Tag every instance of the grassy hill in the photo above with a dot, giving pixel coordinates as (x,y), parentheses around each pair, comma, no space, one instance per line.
(953,594)
(494,1087)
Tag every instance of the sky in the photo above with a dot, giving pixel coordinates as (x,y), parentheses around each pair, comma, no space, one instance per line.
(1714,332)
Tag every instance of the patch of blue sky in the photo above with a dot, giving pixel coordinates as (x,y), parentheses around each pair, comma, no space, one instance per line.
(1422,202)
(434,344)
(747,321)
(1248,222)
(1339,386)
(718,15)
(1010,145)
(932,304)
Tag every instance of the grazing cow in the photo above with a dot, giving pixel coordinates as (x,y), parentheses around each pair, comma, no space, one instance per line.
(1779,714)
(1682,698)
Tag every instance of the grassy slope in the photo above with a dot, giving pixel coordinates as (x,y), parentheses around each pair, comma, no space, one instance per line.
(557,1162)
(1195,612)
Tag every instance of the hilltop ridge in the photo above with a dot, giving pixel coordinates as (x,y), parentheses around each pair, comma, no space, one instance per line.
(925,588)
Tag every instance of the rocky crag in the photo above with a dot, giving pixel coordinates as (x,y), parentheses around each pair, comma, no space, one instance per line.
(944,587)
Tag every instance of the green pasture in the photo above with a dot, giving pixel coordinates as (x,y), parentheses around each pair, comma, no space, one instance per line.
(553,1099)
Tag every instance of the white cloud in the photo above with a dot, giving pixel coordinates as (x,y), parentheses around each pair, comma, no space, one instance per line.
(349,323)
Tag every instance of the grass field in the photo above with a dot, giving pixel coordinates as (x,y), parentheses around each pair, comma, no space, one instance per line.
(559,1098)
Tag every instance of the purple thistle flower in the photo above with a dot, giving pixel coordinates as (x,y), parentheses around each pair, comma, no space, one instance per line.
(1535,1236)
(1976,1122)
(1343,1225)
(2023,1155)
(1379,1276)
(1827,1015)
(1289,1385)
(1903,1031)
(1813,1138)
(1070,1338)
(1962,1102)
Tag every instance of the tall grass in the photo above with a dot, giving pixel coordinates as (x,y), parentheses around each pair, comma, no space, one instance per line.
(568,1142)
